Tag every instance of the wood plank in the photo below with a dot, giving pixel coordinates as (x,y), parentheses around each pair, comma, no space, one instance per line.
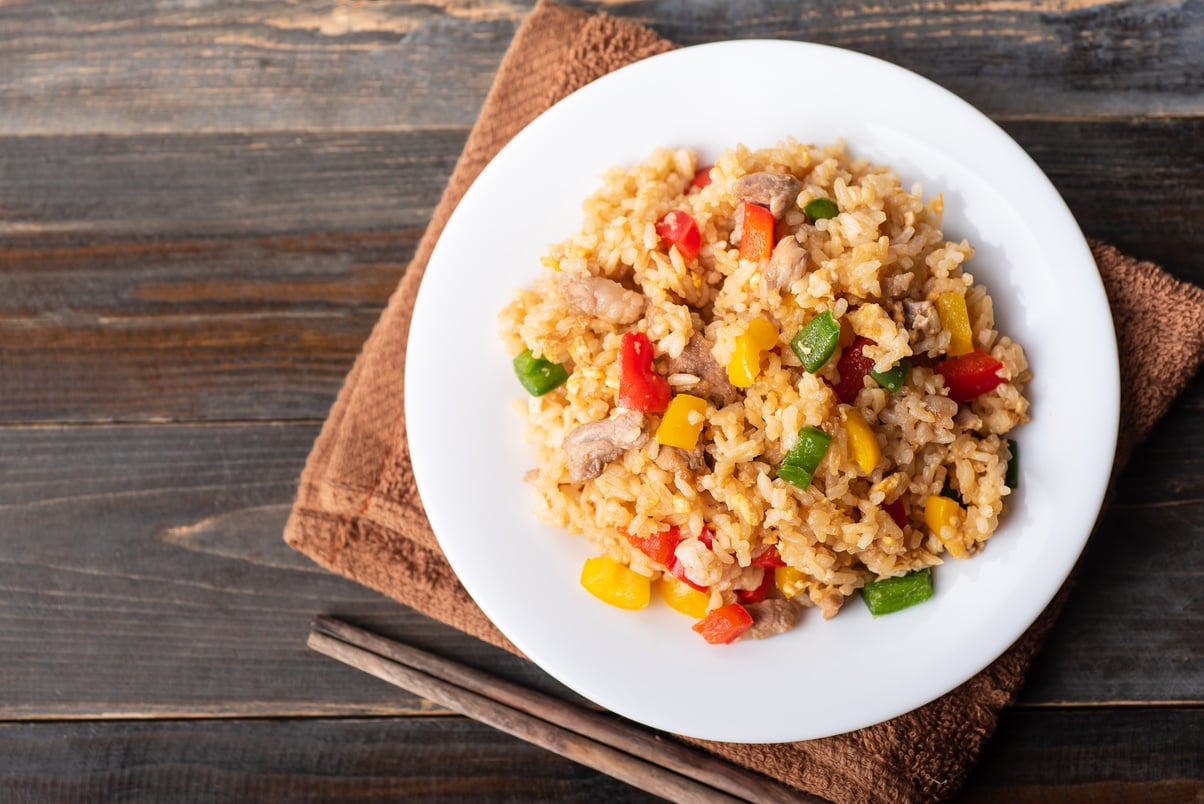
(150,579)
(1124,188)
(235,277)
(201,277)
(1107,755)
(1147,755)
(1141,566)
(139,66)
(65,190)
(166,540)
(410,759)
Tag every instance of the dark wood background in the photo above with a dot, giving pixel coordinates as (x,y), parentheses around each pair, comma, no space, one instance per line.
(203,208)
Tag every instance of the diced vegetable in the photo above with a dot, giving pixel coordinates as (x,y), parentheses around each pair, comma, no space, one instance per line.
(538,374)
(682,422)
(816,341)
(947,490)
(820,208)
(678,228)
(659,546)
(800,463)
(1011,476)
(893,378)
(853,365)
(970,375)
(682,597)
(888,595)
(789,581)
(941,513)
(863,445)
(725,624)
(702,177)
(756,234)
(897,511)
(951,306)
(613,583)
(769,557)
(758,594)
(640,388)
(760,337)
(678,571)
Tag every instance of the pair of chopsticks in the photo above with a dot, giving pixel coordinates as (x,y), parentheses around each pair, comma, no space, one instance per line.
(639,758)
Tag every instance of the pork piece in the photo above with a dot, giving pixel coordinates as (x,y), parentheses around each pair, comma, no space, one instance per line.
(920,318)
(774,190)
(772,616)
(589,447)
(600,297)
(713,384)
(786,264)
(897,285)
(676,459)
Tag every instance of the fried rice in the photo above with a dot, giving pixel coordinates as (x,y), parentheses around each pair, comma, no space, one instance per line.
(880,267)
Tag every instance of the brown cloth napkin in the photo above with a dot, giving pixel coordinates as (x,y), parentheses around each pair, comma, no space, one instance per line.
(358,513)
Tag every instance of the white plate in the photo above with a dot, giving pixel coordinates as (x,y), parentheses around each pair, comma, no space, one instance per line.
(825,677)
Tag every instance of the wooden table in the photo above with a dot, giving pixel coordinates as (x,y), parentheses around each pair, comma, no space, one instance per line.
(203,208)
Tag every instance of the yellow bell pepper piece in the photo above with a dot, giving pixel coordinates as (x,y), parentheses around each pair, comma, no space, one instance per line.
(941,513)
(789,581)
(613,583)
(682,422)
(951,306)
(863,446)
(683,597)
(760,337)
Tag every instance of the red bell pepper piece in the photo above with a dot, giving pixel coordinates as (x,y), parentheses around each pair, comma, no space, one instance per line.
(970,375)
(758,594)
(756,234)
(702,177)
(678,571)
(898,512)
(659,546)
(640,388)
(724,624)
(853,365)
(768,558)
(678,228)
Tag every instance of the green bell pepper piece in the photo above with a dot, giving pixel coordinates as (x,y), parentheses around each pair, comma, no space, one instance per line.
(538,374)
(893,378)
(815,342)
(888,595)
(800,463)
(820,208)
(1011,477)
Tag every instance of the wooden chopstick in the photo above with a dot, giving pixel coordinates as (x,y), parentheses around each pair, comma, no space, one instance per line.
(630,754)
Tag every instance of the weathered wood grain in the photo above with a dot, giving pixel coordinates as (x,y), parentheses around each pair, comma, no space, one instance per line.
(1149,755)
(1137,187)
(165,540)
(314,65)
(203,207)
(57,190)
(405,759)
(143,574)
